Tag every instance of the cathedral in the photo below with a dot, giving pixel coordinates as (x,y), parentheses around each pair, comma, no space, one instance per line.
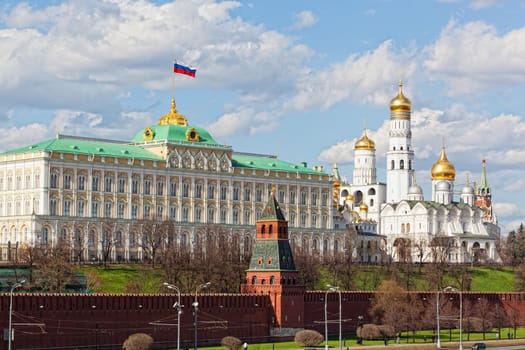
(454,226)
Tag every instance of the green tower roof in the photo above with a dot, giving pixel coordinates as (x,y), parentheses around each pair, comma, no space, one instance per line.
(272,211)
(272,255)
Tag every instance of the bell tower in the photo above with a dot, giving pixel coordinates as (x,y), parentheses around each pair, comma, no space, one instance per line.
(272,269)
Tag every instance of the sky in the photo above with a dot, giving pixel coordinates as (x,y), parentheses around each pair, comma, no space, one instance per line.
(297,79)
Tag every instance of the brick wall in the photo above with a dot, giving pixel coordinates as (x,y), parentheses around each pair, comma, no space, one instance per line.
(77,321)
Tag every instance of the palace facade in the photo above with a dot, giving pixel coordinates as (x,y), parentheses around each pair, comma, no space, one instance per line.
(93,192)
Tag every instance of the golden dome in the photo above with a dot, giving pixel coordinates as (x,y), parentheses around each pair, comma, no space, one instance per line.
(349,197)
(365,143)
(173,117)
(363,207)
(443,169)
(400,103)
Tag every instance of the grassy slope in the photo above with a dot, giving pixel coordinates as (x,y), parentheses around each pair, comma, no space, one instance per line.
(126,278)
(144,279)
(493,280)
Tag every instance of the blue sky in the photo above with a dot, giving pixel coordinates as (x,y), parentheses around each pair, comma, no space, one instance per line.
(292,78)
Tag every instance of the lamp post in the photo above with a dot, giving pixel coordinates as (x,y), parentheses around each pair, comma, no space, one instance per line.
(196,309)
(326,320)
(438,343)
(10,330)
(179,307)
(336,289)
(456,290)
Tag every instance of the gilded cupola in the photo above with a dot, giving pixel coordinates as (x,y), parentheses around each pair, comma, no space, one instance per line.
(400,103)
(443,169)
(173,117)
(365,143)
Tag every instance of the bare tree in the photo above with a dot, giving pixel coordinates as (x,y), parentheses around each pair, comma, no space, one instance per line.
(462,276)
(55,269)
(30,256)
(109,228)
(79,232)
(484,311)
(389,304)
(309,269)
(154,237)
(499,317)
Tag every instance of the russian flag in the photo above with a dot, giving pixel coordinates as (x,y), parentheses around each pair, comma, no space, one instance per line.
(179,68)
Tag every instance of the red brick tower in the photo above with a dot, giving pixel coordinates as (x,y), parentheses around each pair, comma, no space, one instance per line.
(484,195)
(272,269)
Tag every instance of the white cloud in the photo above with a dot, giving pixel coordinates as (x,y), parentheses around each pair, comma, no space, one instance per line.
(473,57)
(353,79)
(86,54)
(515,186)
(482,4)
(506,209)
(304,19)
(217,12)
(243,120)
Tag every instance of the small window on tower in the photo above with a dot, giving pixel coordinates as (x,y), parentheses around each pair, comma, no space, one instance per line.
(269,261)
(259,261)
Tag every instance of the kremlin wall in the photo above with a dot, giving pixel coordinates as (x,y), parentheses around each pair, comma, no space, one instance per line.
(72,321)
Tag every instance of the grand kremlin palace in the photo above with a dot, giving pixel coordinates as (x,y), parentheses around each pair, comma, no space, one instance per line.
(71,187)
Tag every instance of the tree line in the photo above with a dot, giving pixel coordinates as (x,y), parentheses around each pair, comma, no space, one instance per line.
(222,257)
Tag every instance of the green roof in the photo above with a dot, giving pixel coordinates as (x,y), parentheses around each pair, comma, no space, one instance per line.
(175,133)
(255,161)
(77,145)
(278,250)
(272,211)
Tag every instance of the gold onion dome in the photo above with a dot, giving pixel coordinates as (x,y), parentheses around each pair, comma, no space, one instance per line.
(173,117)
(363,207)
(365,143)
(443,169)
(400,103)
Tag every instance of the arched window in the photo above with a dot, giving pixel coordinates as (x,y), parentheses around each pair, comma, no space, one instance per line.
(263,229)
(254,280)
(272,279)
(402,228)
(270,229)
(408,228)
(45,235)
(392,164)
(401,164)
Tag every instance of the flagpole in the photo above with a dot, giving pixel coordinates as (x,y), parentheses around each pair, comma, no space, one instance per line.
(173,83)
(173,86)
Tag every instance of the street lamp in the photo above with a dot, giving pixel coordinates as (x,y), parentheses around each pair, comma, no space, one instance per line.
(196,309)
(326,320)
(10,336)
(336,289)
(438,343)
(456,290)
(179,309)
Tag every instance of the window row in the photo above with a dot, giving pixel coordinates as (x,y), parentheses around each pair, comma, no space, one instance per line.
(183,213)
(199,190)
(19,182)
